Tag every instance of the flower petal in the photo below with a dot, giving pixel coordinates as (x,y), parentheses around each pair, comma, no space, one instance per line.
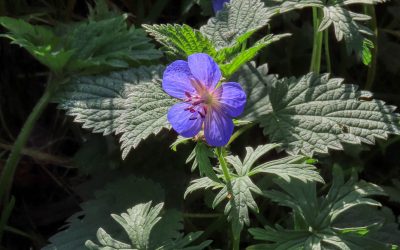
(218,5)
(232,98)
(176,79)
(179,117)
(205,69)
(218,128)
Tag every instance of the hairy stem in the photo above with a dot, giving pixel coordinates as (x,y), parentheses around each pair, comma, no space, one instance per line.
(8,172)
(220,151)
(370,10)
(317,44)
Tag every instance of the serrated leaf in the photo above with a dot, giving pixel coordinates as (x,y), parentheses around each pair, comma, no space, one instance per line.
(319,214)
(203,154)
(255,83)
(346,26)
(39,41)
(95,213)
(131,103)
(102,42)
(315,113)
(139,223)
(180,40)
(108,43)
(248,54)
(237,18)
(239,191)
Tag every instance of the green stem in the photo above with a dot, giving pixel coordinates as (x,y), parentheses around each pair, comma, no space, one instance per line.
(327,52)
(370,10)
(317,44)
(5,215)
(220,154)
(224,166)
(8,172)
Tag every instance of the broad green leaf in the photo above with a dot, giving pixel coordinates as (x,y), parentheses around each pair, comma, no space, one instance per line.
(114,198)
(39,41)
(319,215)
(108,43)
(315,113)
(102,42)
(131,103)
(180,40)
(237,18)
(255,83)
(139,223)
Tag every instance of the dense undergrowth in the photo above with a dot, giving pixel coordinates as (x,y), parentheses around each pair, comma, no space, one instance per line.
(283,131)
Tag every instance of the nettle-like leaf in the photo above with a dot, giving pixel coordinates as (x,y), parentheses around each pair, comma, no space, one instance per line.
(237,18)
(131,103)
(39,41)
(315,218)
(239,190)
(180,40)
(255,82)
(315,113)
(108,43)
(116,197)
(104,41)
(139,223)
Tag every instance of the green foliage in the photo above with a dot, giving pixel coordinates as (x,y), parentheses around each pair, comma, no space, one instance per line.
(248,54)
(180,40)
(344,21)
(237,18)
(39,41)
(315,113)
(116,197)
(255,83)
(102,42)
(131,103)
(139,223)
(239,190)
(314,218)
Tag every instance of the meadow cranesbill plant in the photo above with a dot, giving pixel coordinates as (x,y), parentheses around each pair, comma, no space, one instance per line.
(206,103)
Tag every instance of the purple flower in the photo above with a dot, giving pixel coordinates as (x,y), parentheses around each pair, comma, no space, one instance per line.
(204,105)
(218,5)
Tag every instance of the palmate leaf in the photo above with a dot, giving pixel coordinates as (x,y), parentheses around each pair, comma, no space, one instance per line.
(138,223)
(239,191)
(131,103)
(315,218)
(112,199)
(237,18)
(315,113)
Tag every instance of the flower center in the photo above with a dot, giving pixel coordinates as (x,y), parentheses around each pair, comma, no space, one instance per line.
(198,104)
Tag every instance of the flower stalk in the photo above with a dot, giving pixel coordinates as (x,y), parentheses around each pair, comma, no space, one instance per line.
(317,44)
(220,151)
(7,175)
